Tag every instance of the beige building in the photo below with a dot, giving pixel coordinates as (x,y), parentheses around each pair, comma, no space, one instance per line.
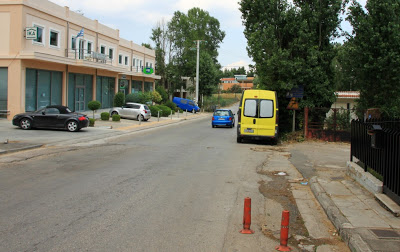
(51,55)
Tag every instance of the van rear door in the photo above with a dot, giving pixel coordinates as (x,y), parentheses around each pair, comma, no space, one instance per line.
(249,117)
(266,118)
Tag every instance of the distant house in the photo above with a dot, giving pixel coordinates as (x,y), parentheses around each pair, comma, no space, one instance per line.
(346,100)
(242,80)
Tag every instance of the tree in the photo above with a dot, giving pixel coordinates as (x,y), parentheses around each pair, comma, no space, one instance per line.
(94,105)
(119,99)
(235,89)
(374,53)
(147,45)
(291,46)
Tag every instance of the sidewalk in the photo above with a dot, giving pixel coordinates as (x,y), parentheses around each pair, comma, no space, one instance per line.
(365,219)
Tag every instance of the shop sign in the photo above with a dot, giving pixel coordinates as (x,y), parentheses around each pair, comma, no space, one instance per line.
(31,32)
(148,70)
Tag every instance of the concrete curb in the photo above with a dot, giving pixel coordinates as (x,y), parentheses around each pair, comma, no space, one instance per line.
(354,241)
(35,146)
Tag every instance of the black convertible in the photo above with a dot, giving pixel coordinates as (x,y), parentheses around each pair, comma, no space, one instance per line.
(52,117)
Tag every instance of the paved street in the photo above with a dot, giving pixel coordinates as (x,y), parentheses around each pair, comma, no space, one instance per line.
(173,185)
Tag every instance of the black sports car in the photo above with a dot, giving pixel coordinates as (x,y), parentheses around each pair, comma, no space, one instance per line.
(52,117)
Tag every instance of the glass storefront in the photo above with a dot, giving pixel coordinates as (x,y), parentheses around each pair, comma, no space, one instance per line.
(105,90)
(148,87)
(123,86)
(80,91)
(3,91)
(136,86)
(42,88)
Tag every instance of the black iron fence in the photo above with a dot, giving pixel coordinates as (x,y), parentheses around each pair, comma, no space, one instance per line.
(376,144)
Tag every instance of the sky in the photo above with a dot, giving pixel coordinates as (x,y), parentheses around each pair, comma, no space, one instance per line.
(136,18)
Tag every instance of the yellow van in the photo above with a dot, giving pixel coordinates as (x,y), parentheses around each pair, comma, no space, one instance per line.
(258,116)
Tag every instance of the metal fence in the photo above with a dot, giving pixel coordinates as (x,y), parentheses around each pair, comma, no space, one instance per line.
(329,124)
(376,144)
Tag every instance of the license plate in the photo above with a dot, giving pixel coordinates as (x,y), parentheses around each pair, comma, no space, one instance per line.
(249,130)
(221,119)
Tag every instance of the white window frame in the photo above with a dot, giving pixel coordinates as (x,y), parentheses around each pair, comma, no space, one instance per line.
(58,38)
(133,62)
(105,49)
(87,47)
(113,50)
(43,43)
(120,56)
(126,60)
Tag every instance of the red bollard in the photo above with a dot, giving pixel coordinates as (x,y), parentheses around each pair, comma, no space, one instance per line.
(247,217)
(284,232)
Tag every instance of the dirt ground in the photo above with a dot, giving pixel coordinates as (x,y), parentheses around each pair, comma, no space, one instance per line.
(313,158)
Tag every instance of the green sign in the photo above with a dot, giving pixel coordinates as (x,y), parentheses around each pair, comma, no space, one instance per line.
(31,32)
(148,70)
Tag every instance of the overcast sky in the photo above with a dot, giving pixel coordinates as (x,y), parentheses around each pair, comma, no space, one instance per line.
(136,18)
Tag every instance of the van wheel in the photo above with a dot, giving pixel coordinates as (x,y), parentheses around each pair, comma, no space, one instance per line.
(274,141)
(239,139)
(193,111)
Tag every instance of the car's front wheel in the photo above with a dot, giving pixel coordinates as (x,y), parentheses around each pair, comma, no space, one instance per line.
(72,126)
(114,113)
(25,123)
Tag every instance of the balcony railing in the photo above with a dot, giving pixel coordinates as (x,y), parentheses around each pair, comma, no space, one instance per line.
(85,55)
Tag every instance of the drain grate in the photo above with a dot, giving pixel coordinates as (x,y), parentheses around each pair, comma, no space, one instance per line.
(385,233)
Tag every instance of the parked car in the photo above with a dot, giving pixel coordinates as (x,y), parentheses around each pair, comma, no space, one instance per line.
(223,117)
(132,111)
(186,104)
(51,117)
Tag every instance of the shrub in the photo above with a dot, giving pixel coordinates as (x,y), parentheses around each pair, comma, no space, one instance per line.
(171,105)
(161,90)
(91,122)
(119,99)
(156,97)
(94,105)
(116,118)
(105,116)
(166,111)
(154,110)
(139,97)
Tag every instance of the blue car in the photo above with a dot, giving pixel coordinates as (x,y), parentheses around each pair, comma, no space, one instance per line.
(223,117)
(186,104)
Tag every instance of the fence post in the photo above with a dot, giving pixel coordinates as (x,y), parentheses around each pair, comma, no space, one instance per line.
(305,122)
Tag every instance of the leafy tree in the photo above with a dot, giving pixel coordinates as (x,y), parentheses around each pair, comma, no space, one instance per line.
(161,39)
(164,95)
(147,45)
(290,45)
(235,89)
(94,105)
(373,50)
(138,97)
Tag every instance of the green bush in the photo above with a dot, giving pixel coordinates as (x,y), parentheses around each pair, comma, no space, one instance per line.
(156,97)
(91,122)
(105,116)
(171,105)
(160,89)
(164,110)
(154,110)
(94,105)
(116,118)
(139,97)
(119,99)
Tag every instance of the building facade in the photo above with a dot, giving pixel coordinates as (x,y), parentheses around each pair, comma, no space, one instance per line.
(242,80)
(51,55)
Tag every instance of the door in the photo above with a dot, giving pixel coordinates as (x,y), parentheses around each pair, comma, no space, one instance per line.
(80,98)
(249,117)
(266,119)
(81,49)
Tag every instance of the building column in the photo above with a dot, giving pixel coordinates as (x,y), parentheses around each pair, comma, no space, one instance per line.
(16,88)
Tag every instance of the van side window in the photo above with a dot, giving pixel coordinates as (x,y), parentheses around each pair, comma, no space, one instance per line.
(266,108)
(183,101)
(191,103)
(250,108)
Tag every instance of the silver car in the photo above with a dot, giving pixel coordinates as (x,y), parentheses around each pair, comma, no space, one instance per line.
(132,111)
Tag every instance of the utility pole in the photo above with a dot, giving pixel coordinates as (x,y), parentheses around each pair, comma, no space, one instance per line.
(197,72)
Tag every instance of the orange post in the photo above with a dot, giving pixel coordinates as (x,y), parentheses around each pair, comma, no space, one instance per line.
(247,217)
(284,232)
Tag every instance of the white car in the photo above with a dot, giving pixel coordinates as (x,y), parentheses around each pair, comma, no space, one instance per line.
(132,111)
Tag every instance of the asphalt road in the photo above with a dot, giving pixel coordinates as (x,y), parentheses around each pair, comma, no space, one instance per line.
(177,188)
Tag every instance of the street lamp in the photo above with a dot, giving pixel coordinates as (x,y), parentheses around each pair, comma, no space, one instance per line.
(197,69)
